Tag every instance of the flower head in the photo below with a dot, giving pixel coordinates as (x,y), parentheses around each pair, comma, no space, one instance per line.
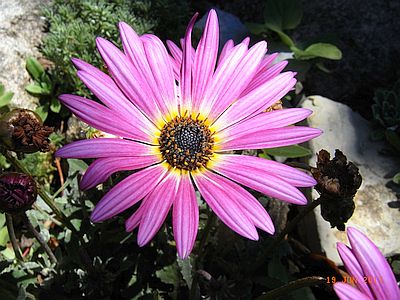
(178,115)
(368,269)
(17,192)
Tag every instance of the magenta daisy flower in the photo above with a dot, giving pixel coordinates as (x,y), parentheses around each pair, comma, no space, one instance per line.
(368,270)
(177,119)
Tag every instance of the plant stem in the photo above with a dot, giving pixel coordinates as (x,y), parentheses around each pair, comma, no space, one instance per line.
(13,238)
(292,286)
(289,228)
(39,238)
(46,198)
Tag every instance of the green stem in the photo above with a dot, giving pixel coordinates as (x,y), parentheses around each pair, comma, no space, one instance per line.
(39,238)
(289,228)
(292,286)
(46,198)
(13,238)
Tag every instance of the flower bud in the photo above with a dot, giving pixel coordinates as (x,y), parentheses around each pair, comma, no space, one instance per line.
(22,130)
(17,192)
(337,182)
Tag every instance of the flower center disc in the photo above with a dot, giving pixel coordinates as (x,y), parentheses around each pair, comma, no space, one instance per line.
(186,143)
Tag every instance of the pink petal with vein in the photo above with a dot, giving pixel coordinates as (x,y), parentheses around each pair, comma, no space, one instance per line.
(104,147)
(223,200)
(156,207)
(225,50)
(205,59)
(103,118)
(258,179)
(374,265)
(102,168)
(347,292)
(257,101)
(185,217)
(258,138)
(128,192)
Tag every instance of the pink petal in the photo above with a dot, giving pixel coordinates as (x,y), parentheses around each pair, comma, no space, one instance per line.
(205,59)
(290,175)
(223,200)
(225,50)
(104,147)
(258,138)
(266,63)
(353,267)
(347,292)
(374,265)
(103,118)
(232,77)
(161,69)
(257,178)
(104,88)
(176,58)
(84,66)
(185,217)
(257,101)
(134,220)
(129,79)
(128,192)
(186,69)
(267,120)
(102,168)
(156,207)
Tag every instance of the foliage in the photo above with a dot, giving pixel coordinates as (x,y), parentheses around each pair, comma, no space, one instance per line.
(386,107)
(5,97)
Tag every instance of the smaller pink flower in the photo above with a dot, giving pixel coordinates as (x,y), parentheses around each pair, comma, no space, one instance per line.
(368,268)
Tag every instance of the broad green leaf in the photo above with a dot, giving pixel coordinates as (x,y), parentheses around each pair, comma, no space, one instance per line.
(35,89)
(6,98)
(8,253)
(396,178)
(185,266)
(55,105)
(285,38)
(42,111)
(4,238)
(323,50)
(76,165)
(168,275)
(288,151)
(34,68)
(2,219)
(283,14)
(256,28)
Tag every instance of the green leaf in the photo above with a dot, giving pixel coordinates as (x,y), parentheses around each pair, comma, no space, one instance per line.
(42,111)
(2,220)
(2,89)
(55,105)
(76,165)
(393,138)
(185,266)
(256,28)
(4,238)
(283,14)
(168,275)
(5,98)
(8,253)
(288,151)
(264,155)
(323,50)
(35,89)
(34,68)
(396,178)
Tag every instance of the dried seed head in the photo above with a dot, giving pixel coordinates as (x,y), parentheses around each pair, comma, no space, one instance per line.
(22,130)
(17,192)
(337,182)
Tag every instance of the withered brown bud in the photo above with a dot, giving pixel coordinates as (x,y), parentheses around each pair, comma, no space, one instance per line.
(17,192)
(337,182)
(22,130)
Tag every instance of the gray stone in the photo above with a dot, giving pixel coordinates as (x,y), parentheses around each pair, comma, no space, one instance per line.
(348,131)
(21,31)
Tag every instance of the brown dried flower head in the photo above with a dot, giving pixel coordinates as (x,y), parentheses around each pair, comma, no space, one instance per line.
(17,192)
(22,130)
(337,181)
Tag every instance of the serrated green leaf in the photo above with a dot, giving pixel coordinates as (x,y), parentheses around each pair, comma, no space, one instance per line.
(288,151)
(185,267)
(323,50)
(4,238)
(55,105)
(396,178)
(6,98)
(283,14)
(168,275)
(256,28)
(34,68)
(42,111)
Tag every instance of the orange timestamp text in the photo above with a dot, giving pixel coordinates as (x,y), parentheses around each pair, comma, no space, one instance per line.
(353,280)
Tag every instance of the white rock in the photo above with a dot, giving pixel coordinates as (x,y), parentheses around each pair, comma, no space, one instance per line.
(20,35)
(346,130)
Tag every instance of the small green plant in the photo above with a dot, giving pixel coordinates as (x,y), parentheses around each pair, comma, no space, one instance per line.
(5,97)
(283,15)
